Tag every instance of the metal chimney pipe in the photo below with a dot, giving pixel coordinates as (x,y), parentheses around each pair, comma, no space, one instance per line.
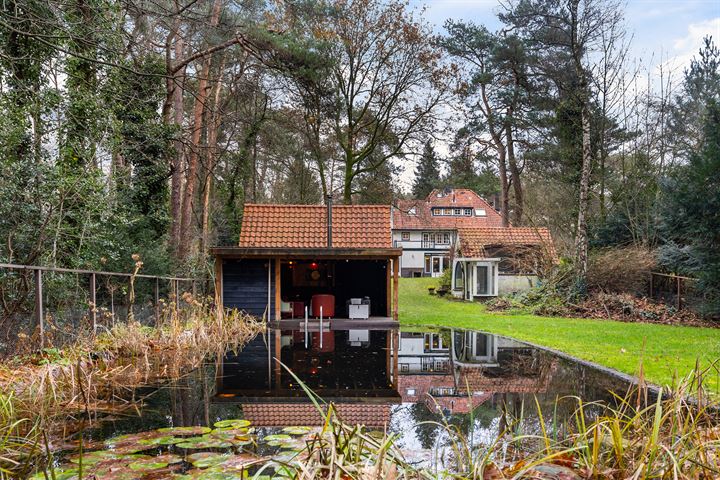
(328,201)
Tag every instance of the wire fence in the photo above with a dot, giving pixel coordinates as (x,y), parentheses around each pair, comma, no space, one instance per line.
(675,290)
(47,306)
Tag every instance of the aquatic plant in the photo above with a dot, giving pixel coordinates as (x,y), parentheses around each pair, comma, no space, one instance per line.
(20,440)
(676,436)
(100,374)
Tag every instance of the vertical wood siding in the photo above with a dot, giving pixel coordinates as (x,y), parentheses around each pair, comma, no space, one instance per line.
(245,285)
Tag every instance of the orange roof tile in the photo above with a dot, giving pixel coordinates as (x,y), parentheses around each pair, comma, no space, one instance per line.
(473,241)
(305,414)
(305,226)
(422,218)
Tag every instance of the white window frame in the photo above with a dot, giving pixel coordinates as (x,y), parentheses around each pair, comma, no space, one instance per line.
(468,212)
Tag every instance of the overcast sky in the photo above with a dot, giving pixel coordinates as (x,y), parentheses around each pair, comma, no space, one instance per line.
(671,30)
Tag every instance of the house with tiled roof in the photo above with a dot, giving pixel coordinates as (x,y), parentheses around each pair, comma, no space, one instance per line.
(458,229)
(318,261)
(427,229)
(490,261)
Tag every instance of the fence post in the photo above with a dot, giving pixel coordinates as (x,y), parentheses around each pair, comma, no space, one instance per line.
(157,300)
(652,276)
(93,303)
(177,294)
(39,306)
(679,291)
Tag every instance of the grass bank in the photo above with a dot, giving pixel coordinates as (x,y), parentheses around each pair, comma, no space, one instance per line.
(664,350)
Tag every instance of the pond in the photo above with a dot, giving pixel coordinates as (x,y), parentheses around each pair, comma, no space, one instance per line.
(412,385)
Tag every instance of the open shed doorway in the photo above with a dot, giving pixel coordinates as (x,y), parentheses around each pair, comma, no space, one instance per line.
(344,279)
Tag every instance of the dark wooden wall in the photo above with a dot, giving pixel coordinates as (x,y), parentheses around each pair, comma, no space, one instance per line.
(245,285)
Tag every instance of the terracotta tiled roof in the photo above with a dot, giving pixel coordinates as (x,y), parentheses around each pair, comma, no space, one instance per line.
(422,218)
(305,226)
(473,241)
(305,414)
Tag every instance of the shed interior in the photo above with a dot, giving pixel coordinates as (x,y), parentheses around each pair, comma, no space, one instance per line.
(342,278)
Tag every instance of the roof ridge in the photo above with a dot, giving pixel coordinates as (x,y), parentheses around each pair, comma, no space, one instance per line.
(335,205)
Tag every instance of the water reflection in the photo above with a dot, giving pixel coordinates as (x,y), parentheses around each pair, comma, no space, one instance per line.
(408,382)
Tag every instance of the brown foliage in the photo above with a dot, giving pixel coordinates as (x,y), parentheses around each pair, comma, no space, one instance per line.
(621,270)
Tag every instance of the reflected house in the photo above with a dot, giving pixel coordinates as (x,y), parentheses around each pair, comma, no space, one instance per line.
(354,369)
(458,370)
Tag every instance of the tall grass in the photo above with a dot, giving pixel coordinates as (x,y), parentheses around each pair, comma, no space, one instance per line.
(99,374)
(20,441)
(675,436)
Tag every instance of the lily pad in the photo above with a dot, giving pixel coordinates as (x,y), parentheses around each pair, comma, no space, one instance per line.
(296,430)
(241,461)
(207,459)
(204,442)
(146,466)
(225,432)
(163,440)
(200,474)
(234,423)
(184,431)
(277,437)
(91,458)
(66,474)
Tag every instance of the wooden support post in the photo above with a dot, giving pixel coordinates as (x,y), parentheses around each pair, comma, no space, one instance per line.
(679,293)
(651,285)
(277,290)
(278,349)
(396,355)
(93,303)
(396,283)
(177,294)
(157,300)
(388,288)
(388,360)
(39,306)
(218,288)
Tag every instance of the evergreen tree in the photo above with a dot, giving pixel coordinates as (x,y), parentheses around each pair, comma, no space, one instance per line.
(427,173)
(690,219)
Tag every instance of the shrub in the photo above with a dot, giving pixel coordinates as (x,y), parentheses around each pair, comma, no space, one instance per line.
(620,270)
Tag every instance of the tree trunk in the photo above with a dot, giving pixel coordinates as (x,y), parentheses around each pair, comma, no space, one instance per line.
(581,238)
(212,134)
(348,179)
(174,106)
(504,190)
(515,175)
(187,229)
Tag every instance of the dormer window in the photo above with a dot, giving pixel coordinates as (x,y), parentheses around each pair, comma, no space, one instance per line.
(454,212)
(480,212)
(412,211)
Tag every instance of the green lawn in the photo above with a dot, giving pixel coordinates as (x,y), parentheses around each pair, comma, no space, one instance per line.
(663,349)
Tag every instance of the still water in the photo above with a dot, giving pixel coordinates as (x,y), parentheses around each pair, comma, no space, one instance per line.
(405,382)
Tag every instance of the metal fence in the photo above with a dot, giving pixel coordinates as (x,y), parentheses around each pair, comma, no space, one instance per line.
(78,301)
(674,289)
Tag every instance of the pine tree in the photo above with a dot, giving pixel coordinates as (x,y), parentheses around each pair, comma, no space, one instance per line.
(689,219)
(427,173)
